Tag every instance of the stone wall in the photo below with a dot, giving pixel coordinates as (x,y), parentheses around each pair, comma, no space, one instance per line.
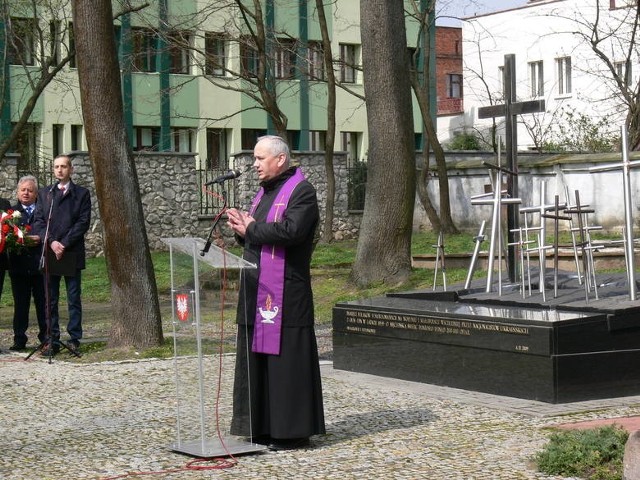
(171,196)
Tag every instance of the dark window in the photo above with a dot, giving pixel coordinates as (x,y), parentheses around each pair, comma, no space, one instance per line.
(285,59)
(21,45)
(57,137)
(249,58)
(217,153)
(454,85)
(347,63)
(215,47)
(250,137)
(144,50)
(179,46)
(72,46)
(76,137)
(315,61)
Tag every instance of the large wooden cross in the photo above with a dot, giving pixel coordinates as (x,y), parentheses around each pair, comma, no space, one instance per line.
(510,111)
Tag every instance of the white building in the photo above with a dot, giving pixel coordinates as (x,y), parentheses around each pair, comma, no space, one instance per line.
(554,61)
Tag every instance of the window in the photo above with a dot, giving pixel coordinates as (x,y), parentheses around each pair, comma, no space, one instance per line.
(72,46)
(178,44)
(501,80)
(26,145)
(54,42)
(182,140)
(57,139)
(317,140)
(454,85)
(22,40)
(215,48)
(249,137)
(76,137)
(144,50)
(146,138)
(347,63)
(217,153)
(564,75)
(285,59)
(249,58)
(349,142)
(315,61)
(623,70)
(536,79)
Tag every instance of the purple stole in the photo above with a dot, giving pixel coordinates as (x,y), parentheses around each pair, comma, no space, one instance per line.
(268,324)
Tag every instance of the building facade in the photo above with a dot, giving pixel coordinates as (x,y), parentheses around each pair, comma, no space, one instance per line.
(190,72)
(554,62)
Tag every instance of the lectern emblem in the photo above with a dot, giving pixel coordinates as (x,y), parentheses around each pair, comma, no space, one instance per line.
(182,306)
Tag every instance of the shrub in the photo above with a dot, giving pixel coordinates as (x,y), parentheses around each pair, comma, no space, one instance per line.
(464,141)
(594,454)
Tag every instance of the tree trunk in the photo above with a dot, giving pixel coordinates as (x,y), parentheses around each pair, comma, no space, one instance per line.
(384,244)
(134,296)
(327,234)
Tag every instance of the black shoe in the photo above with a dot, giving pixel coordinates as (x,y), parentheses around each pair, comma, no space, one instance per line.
(74,346)
(289,444)
(18,347)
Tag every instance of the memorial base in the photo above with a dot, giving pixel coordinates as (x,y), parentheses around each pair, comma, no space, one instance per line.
(566,349)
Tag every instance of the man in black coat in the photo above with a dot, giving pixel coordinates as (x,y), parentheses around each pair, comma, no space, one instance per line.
(277,398)
(26,279)
(68,206)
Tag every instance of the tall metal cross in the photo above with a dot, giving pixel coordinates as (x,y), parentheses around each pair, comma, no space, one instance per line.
(510,110)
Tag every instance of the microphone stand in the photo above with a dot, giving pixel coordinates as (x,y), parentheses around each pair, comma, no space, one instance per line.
(207,245)
(44,268)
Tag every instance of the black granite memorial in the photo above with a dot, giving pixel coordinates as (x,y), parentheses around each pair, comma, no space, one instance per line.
(569,348)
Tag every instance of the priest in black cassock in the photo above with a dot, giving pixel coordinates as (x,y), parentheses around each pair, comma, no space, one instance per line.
(277,396)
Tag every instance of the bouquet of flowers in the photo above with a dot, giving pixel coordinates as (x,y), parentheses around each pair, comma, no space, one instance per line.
(13,235)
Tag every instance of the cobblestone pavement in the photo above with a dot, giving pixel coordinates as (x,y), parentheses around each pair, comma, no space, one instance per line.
(63,420)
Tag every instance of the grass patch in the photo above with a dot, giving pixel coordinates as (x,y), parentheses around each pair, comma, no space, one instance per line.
(593,454)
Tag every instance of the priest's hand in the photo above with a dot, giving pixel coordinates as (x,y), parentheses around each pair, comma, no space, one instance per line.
(238,221)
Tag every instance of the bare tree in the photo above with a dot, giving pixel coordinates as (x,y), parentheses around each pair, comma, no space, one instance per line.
(331,122)
(384,243)
(613,37)
(421,84)
(31,43)
(134,296)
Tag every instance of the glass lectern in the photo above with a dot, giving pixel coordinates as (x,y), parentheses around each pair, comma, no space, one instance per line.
(202,277)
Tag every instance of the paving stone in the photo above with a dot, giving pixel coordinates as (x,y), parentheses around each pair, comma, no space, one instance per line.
(98,421)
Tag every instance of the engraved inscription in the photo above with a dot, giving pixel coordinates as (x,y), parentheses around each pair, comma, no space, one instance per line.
(372,323)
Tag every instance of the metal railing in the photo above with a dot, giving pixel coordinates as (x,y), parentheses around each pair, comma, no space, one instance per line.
(211,200)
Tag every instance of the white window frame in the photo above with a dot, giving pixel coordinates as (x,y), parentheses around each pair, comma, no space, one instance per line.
(563,72)
(536,79)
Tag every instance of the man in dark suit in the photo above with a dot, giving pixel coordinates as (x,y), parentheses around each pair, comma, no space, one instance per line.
(66,209)
(26,279)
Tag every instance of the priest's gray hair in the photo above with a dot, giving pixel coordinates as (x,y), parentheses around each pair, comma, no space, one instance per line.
(277,146)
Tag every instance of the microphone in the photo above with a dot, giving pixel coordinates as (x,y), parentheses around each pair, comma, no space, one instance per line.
(53,187)
(227,176)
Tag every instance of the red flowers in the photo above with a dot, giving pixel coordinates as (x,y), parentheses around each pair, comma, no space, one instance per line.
(13,236)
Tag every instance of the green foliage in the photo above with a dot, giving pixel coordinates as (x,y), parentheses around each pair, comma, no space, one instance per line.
(464,141)
(580,133)
(594,454)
